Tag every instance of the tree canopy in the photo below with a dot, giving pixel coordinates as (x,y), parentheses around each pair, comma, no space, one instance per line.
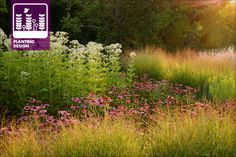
(171,24)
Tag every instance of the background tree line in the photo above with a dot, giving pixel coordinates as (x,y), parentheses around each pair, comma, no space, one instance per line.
(171,24)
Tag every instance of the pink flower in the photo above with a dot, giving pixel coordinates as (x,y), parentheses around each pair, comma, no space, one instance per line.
(44,105)
(127,101)
(122,108)
(73,108)
(23,118)
(50,120)
(35,108)
(76,100)
(27,108)
(43,112)
(119,97)
(94,102)
(63,113)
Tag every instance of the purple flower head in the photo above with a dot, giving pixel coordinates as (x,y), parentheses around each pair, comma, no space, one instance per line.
(33,101)
(142,113)
(27,108)
(101,105)
(23,118)
(127,101)
(76,100)
(44,105)
(64,113)
(35,108)
(132,111)
(50,120)
(43,111)
(101,100)
(94,102)
(119,97)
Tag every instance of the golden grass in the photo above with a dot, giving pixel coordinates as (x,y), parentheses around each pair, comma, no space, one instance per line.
(190,68)
(167,134)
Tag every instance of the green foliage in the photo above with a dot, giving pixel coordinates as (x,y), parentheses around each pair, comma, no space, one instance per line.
(112,60)
(171,24)
(5,16)
(2,39)
(222,88)
(147,64)
(57,75)
(130,74)
(3,7)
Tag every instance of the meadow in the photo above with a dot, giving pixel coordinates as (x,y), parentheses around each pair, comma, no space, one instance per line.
(212,72)
(96,100)
(166,134)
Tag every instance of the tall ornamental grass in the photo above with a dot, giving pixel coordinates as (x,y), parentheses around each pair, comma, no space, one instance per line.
(202,70)
(167,134)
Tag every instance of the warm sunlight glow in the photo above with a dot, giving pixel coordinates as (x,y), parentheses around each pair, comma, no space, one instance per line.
(233,1)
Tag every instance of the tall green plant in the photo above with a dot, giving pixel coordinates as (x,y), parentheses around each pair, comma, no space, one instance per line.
(68,70)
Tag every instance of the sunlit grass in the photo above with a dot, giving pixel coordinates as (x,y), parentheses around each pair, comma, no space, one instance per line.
(199,70)
(167,134)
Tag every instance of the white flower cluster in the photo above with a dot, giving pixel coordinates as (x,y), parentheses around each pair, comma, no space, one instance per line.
(59,43)
(114,51)
(132,54)
(114,48)
(4,40)
(79,51)
(90,68)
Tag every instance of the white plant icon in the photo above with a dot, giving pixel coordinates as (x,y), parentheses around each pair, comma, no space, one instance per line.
(26,10)
(29,24)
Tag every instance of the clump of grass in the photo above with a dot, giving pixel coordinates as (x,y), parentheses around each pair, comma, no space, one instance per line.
(89,138)
(25,143)
(222,87)
(168,133)
(148,64)
(192,69)
(183,136)
(106,139)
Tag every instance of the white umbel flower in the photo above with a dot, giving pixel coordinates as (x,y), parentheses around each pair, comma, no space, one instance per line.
(132,54)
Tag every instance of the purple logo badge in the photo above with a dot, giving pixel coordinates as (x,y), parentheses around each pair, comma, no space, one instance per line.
(30,25)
